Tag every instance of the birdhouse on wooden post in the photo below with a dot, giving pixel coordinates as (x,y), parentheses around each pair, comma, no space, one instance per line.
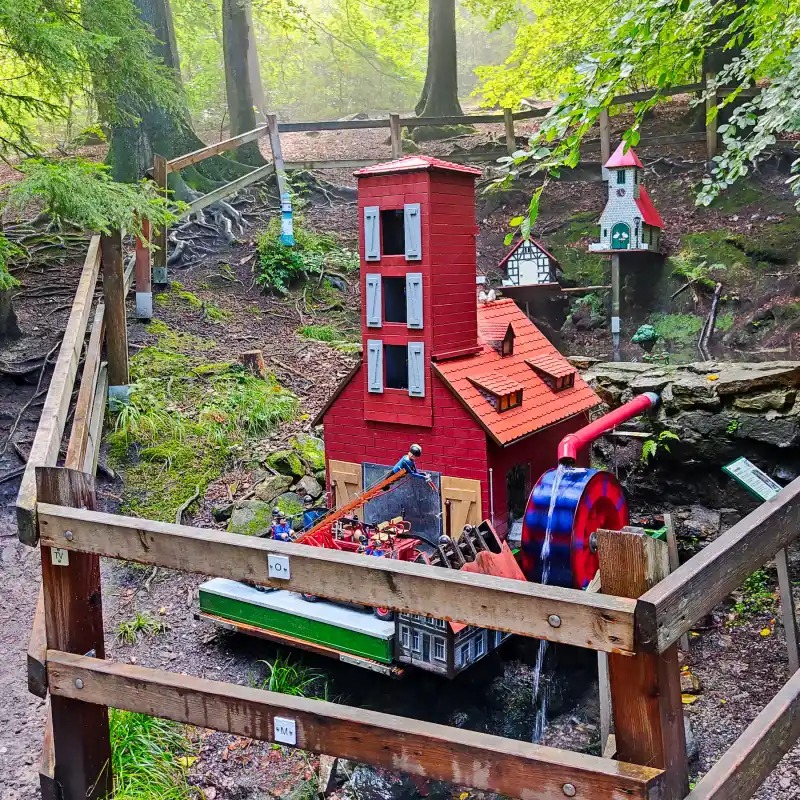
(630,220)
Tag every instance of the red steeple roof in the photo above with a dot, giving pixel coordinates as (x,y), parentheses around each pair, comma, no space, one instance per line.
(623,158)
(645,205)
(417,164)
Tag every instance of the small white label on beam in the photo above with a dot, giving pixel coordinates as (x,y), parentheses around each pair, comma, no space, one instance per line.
(285,730)
(59,557)
(615,325)
(278,567)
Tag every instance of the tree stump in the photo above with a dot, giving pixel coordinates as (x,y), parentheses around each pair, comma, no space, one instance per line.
(253,361)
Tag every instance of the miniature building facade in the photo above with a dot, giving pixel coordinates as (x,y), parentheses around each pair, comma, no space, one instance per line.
(630,220)
(440,369)
(528,264)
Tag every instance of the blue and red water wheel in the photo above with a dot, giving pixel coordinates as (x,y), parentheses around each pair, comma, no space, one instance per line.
(587,499)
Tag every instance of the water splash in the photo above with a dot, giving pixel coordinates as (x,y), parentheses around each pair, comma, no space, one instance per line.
(540,721)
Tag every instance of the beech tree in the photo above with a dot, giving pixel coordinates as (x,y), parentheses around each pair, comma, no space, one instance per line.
(440,92)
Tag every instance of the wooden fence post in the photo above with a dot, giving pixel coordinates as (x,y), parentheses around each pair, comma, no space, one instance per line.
(711,125)
(788,614)
(74,623)
(396,136)
(605,142)
(645,688)
(160,173)
(277,154)
(116,322)
(144,285)
(511,137)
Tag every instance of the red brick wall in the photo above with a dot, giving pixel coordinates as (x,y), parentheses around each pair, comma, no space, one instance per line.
(454,446)
(539,451)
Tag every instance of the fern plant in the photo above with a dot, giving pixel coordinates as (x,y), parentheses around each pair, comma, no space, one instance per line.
(661,442)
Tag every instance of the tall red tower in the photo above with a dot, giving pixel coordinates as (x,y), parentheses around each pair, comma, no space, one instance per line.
(418,265)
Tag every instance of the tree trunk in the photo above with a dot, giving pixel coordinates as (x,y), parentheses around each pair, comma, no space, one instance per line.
(162,130)
(237,40)
(254,68)
(441,80)
(9,329)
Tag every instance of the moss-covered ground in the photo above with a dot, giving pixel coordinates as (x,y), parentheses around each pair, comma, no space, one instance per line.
(569,245)
(186,419)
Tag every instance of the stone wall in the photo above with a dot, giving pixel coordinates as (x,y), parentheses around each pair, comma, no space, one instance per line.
(719,411)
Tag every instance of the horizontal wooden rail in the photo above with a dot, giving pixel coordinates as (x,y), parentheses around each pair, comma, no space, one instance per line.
(175,164)
(597,621)
(229,188)
(671,607)
(466,758)
(47,441)
(748,761)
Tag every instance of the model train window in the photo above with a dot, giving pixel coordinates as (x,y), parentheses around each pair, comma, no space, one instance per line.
(480,644)
(396,358)
(501,392)
(393,235)
(440,623)
(439,649)
(463,654)
(404,638)
(554,371)
(394,300)
(415,646)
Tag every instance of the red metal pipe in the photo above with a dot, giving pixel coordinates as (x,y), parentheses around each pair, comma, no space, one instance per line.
(572,443)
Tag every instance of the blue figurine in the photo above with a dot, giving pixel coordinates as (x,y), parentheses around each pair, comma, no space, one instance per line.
(310,514)
(409,463)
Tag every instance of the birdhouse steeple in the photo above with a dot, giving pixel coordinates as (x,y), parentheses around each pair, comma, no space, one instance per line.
(630,220)
(418,265)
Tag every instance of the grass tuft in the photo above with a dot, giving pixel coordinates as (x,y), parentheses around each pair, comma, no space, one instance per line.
(143,624)
(287,677)
(150,758)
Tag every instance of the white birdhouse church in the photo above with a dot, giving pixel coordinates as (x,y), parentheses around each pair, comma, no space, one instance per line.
(630,220)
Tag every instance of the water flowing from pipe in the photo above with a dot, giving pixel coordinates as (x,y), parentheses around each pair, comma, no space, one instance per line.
(540,721)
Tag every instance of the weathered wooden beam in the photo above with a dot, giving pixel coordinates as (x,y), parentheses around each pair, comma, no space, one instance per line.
(160,235)
(597,621)
(605,142)
(788,613)
(79,435)
(73,613)
(175,164)
(463,757)
(333,163)
(116,319)
(144,278)
(49,789)
(37,651)
(395,136)
(227,189)
(277,153)
(332,125)
(645,689)
(95,431)
(511,137)
(672,606)
(751,758)
(669,91)
(712,141)
(44,450)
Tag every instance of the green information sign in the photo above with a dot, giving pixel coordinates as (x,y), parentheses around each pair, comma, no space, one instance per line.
(757,482)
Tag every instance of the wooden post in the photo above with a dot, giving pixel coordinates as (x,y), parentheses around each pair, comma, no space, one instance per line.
(277,154)
(674,563)
(116,323)
(144,286)
(605,142)
(711,125)
(511,137)
(396,136)
(645,688)
(788,614)
(615,313)
(73,615)
(160,173)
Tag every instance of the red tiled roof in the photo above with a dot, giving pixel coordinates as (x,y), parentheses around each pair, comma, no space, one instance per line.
(556,366)
(623,158)
(496,383)
(494,331)
(518,244)
(416,164)
(645,205)
(502,564)
(541,406)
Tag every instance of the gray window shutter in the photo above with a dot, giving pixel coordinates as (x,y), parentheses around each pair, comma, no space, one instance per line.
(413,231)
(416,369)
(372,233)
(375,365)
(414,299)
(374,308)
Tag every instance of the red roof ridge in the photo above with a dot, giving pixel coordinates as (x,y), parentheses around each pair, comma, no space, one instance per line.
(623,158)
(416,163)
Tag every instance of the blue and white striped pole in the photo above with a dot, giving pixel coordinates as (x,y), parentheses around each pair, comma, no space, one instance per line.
(287,224)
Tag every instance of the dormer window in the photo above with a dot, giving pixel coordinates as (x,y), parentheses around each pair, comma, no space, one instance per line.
(500,336)
(557,373)
(501,393)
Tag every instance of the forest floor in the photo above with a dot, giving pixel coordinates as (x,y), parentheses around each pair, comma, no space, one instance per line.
(739,657)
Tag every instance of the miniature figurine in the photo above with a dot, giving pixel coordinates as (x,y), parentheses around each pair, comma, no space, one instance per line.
(282,528)
(310,514)
(409,463)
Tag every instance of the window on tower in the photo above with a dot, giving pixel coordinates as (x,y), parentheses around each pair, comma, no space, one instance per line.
(394,293)
(396,357)
(620,178)
(393,234)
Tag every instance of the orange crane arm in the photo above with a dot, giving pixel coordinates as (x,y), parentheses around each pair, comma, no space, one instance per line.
(357,502)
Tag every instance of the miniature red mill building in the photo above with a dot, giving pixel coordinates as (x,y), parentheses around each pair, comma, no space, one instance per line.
(475,384)
(630,220)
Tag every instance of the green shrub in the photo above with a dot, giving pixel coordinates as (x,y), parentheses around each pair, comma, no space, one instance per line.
(678,329)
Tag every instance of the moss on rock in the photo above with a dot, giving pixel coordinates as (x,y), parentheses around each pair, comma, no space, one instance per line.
(287,462)
(569,245)
(311,450)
